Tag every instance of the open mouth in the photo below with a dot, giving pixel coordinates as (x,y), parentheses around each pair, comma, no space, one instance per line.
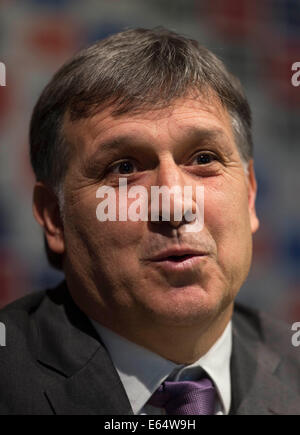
(177,258)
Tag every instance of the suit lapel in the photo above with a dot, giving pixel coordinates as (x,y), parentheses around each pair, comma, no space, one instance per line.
(256,387)
(85,380)
(96,389)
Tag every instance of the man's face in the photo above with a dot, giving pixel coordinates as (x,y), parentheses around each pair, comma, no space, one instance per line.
(116,270)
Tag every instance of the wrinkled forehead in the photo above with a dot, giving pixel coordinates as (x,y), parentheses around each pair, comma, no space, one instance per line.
(180,120)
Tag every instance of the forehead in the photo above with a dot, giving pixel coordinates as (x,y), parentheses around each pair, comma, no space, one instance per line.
(179,121)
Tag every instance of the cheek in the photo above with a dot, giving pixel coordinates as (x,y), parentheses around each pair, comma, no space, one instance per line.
(121,238)
(89,240)
(108,243)
(226,217)
(121,235)
(98,219)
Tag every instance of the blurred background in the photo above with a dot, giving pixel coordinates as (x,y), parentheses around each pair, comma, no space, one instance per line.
(258,40)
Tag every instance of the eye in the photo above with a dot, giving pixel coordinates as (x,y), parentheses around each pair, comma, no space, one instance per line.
(124,167)
(203,159)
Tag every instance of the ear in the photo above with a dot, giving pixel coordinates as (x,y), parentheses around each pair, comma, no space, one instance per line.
(47,214)
(252,190)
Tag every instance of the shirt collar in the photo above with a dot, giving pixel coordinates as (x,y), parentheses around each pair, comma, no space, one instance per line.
(216,363)
(142,371)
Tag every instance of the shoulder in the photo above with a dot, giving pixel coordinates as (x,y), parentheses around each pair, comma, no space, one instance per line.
(17,316)
(268,336)
(22,308)
(15,320)
(51,352)
(257,325)
(19,372)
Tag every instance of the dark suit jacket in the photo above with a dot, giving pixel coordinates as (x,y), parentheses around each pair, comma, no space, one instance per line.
(55,363)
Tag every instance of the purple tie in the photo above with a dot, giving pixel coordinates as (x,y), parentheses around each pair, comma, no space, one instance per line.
(185,397)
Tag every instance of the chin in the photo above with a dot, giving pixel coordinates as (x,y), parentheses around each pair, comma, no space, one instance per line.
(187,306)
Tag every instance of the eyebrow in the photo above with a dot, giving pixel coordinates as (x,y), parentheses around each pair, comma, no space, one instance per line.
(132,142)
(208,135)
(110,148)
(117,143)
(190,133)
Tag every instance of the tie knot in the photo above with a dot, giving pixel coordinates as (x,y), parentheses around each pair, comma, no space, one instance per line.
(185,397)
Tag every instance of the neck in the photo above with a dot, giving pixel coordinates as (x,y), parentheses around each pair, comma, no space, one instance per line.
(182,345)
(179,343)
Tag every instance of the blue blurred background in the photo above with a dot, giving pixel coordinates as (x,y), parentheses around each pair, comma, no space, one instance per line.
(259,40)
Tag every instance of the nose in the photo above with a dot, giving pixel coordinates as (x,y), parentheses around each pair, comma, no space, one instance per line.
(167,194)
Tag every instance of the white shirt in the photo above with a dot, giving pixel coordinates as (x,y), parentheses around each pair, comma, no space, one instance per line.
(142,371)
